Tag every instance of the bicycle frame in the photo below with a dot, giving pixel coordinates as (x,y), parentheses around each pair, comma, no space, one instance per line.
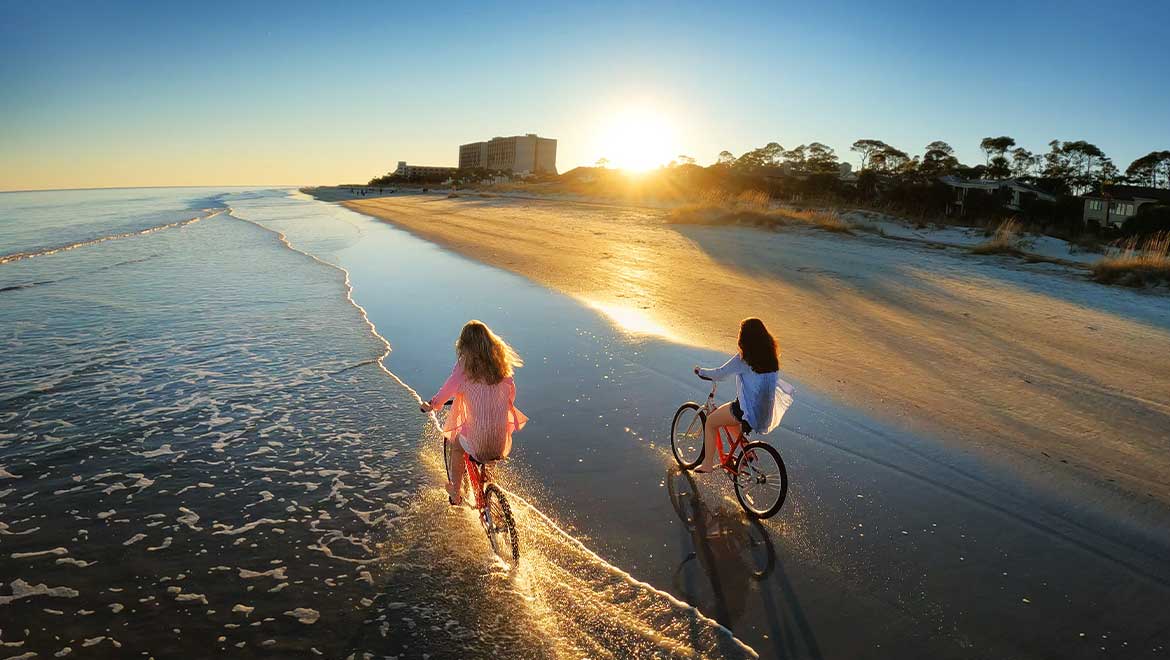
(736,437)
(477,474)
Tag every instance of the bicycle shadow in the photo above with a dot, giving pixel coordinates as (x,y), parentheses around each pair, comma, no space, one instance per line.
(731,556)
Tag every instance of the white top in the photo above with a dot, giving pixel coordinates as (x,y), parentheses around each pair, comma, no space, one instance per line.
(763,397)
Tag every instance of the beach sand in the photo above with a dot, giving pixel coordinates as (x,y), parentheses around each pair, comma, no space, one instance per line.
(1019,362)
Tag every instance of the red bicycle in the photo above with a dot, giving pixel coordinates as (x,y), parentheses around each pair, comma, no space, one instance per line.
(754,467)
(495,514)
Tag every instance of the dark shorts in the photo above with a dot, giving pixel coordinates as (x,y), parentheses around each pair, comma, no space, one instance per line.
(737,412)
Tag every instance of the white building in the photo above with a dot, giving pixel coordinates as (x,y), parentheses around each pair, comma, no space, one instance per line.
(423,171)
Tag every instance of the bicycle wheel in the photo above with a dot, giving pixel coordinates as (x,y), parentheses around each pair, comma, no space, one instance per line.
(464,486)
(499,525)
(761,482)
(686,434)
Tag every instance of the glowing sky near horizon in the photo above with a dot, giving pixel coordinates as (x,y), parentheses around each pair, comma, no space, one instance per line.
(124,94)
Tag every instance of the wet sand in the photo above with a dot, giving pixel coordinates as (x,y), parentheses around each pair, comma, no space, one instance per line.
(884,547)
(1029,364)
(281,495)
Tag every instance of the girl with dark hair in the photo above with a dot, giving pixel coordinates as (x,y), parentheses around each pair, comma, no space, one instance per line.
(756,405)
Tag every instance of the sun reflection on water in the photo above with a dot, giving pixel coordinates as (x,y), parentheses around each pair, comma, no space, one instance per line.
(632,320)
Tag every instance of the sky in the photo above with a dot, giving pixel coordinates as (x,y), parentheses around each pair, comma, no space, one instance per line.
(145,94)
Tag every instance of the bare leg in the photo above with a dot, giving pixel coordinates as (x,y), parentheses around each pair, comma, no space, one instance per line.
(720,417)
(456,469)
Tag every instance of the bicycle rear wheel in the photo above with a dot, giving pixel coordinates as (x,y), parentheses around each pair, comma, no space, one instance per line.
(761,481)
(686,434)
(499,525)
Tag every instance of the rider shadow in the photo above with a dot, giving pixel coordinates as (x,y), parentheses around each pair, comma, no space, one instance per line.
(732,555)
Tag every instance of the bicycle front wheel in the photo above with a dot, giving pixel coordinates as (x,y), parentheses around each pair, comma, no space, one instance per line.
(686,434)
(761,481)
(499,525)
(464,486)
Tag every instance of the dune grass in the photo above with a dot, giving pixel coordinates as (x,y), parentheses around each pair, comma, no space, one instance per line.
(753,208)
(1139,263)
(1005,240)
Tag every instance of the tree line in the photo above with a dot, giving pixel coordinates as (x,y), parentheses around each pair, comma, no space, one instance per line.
(1068,167)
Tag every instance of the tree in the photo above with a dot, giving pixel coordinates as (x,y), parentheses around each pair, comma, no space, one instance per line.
(685,160)
(867,148)
(1151,169)
(939,159)
(1024,162)
(796,157)
(1107,172)
(999,168)
(995,146)
(1056,164)
(1084,162)
(726,159)
(821,158)
(602,162)
(766,156)
(889,159)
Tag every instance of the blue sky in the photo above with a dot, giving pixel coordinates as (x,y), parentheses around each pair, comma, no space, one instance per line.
(96,94)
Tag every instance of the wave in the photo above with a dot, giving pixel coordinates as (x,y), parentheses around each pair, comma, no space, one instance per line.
(670,611)
(29,285)
(17,256)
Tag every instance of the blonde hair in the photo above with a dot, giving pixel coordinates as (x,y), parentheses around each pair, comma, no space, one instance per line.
(486,357)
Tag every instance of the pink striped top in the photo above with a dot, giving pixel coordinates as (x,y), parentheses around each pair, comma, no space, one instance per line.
(484,415)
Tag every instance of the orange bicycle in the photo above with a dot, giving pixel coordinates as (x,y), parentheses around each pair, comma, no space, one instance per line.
(495,514)
(754,467)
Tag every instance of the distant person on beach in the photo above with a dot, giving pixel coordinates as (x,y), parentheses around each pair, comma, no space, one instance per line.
(755,407)
(484,414)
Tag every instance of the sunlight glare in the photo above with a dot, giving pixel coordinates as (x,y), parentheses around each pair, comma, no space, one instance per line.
(636,139)
(631,320)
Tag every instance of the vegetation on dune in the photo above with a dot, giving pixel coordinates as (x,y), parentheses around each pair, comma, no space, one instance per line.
(1139,262)
(1005,240)
(754,208)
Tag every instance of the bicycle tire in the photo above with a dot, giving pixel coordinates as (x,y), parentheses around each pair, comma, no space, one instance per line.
(505,539)
(761,499)
(464,485)
(683,454)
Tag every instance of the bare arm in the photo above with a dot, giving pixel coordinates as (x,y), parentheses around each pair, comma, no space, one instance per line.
(448,390)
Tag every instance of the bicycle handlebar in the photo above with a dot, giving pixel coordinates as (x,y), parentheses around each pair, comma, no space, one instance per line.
(449,402)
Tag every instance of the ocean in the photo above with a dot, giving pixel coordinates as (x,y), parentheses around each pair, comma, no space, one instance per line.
(210,446)
(202,452)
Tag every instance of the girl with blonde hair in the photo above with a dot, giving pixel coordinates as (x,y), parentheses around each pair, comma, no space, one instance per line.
(484,414)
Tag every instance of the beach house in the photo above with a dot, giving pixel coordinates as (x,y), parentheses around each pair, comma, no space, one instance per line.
(1114,204)
(1012,193)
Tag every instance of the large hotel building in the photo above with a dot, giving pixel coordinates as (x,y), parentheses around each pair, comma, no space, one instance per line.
(519,153)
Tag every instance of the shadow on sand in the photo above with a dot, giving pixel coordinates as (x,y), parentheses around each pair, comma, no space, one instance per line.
(729,558)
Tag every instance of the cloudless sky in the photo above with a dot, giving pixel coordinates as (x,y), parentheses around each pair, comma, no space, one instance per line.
(113,93)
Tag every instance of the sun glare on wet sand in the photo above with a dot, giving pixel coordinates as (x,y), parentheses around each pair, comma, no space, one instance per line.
(632,320)
(636,139)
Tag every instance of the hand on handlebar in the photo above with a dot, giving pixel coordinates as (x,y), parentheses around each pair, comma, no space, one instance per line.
(426,406)
(701,376)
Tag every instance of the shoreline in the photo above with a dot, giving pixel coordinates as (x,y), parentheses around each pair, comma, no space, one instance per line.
(999,385)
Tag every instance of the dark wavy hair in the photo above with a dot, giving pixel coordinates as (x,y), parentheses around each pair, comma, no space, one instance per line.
(758,347)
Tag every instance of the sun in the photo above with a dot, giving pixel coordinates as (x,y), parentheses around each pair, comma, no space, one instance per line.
(636,139)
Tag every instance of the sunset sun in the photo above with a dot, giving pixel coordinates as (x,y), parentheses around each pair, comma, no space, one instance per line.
(636,139)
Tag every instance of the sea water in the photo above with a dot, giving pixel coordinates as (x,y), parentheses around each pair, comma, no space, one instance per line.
(202,453)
